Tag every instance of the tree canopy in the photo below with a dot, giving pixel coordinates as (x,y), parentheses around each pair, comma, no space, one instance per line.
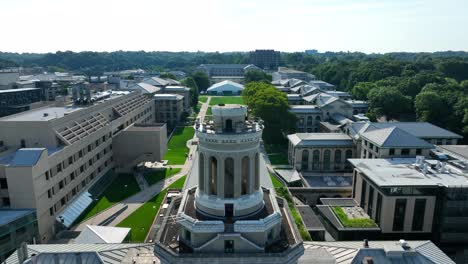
(202,80)
(257,76)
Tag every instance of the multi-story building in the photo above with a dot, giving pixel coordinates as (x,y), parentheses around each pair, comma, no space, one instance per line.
(414,198)
(169,108)
(321,152)
(8,77)
(52,154)
(265,59)
(18,100)
(16,227)
(180,90)
(228,218)
(287,73)
(230,72)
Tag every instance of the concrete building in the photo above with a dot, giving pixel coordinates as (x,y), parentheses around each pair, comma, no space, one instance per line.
(169,108)
(144,88)
(8,77)
(52,155)
(414,198)
(228,218)
(265,59)
(287,73)
(13,101)
(180,90)
(321,151)
(16,227)
(227,70)
(225,88)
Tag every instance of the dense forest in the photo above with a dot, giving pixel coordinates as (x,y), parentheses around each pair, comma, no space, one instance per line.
(429,87)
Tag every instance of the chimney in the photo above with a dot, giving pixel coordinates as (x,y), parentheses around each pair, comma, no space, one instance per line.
(366,243)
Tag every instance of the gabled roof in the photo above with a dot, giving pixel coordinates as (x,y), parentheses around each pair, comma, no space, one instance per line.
(304,109)
(320,139)
(27,157)
(226,85)
(326,99)
(145,88)
(394,137)
(102,234)
(156,81)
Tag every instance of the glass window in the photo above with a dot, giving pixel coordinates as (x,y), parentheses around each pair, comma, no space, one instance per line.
(316,160)
(405,152)
(337,159)
(229,178)
(418,214)
(245,174)
(229,246)
(418,151)
(305,160)
(326,159)
(363,193)
(370,201)
(348,155)
(391,152)
(201,176)
(399,215)
(378,209)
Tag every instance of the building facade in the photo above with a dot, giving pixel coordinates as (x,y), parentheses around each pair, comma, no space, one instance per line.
(13,101)
(52,154)
(169,108)
(16,227)
(265,59)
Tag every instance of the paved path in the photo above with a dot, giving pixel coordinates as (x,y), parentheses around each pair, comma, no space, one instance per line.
(137,200)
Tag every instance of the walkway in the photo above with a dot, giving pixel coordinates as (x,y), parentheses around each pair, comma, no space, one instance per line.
(137,200)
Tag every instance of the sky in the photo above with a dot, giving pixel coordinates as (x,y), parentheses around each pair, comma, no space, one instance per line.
(377,26)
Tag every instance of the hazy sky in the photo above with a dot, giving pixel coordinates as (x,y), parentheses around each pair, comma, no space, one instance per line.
(233,25)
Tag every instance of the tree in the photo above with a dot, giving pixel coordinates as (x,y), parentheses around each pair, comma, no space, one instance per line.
(257,76)
(362,89)
(167,75)
(202,80)
(389,102)
(190,83)
(271,105)
(430,107)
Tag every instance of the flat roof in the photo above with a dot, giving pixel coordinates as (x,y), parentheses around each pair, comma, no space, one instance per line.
(43,114)
(305,109)
(321,139)
(403,172)
(460,150)
(10,215)
(329,181)
(18,90)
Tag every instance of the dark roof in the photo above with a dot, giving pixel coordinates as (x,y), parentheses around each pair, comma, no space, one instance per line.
(310,219)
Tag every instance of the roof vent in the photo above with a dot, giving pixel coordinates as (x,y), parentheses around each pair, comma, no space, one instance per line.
(366,243)
(45,115)
(404,244)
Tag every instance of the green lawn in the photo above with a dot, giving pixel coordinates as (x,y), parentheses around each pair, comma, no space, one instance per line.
(123,186)
(156,176)
(226,100)
(177,146)
(355,222)
(276,183)
(208,111)
(283,192)
(203,99)
(278,159)
(141,220)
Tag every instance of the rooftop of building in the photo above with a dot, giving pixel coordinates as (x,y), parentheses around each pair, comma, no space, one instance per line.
(18,90)
(418,129)
(224,84)
(407,172)
(320,139)
(289,70)
(145,87)
(93,234)
(288,175)
(166,97)
(10,215)
(459,151)
(328,181)
(305,109)
(394,137)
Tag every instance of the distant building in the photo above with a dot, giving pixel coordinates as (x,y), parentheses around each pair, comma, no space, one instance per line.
(265,59)
(169,109)
(311,52)
(13,101)
(287,73)
(8,77)
(16,227)
(144,88)
(225,88)
(223,72)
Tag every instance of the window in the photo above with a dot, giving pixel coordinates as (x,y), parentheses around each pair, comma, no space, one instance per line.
(81,168)
(188,235)
(229,246)
(23,143)
(245,174)
(326,159)
(90,162)
(363,193)
(418,214)
(405,152)
(51,211)
(6,201)
(89,148)
(316,160)
(72,176)
(80,153)
(305,160)
(337,159)
(59,167)
(370,201)
(63,201)
(439,142)
(348,155)
(201,175)
(418,151)
(70,160)
(49,193)
(391,152)
(399,215)
(47,175)
(3,183)
(378,209)
(61,185)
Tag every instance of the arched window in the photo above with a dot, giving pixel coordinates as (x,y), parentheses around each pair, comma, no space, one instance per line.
(305,160)
(317,119)
(257,172)
(229,125)
(337,159)
(213,175)
(309,121)
(316,160)
(245,175)
(348,155)
(229,178)
(326,159)
(201,174)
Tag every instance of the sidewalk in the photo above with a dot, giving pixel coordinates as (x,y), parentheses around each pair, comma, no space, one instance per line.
(137,200)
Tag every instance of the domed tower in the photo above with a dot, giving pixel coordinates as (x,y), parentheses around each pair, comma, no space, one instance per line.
(228,217)
(228,164)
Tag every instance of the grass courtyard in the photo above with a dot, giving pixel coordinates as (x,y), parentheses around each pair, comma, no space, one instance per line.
(208,111)
(156,176)
(226,100)
(203,98)
(277,154)
(177,146)
(122,187)
(141,220)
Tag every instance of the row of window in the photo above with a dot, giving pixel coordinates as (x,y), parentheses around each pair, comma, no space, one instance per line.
(326,163)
